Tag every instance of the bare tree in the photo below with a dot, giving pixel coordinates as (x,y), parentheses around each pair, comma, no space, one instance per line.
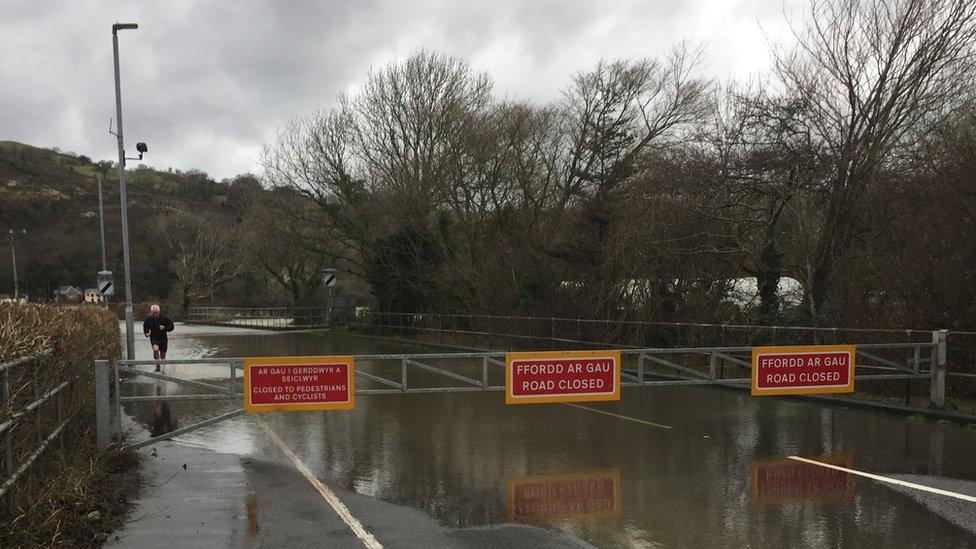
(613,116)
(764,158)
(871,77)
(204,256)
(279,237)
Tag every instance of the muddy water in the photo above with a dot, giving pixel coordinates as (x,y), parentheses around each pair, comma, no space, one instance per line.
(718,477)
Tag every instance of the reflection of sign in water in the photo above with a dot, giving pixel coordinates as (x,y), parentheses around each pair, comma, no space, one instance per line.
(282,384)
(554,498)
(562,376)
(783,480)
(802,370)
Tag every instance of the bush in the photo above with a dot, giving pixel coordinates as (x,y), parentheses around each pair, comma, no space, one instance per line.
(77,480)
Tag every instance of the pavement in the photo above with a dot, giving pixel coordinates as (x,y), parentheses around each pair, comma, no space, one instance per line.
(196,497)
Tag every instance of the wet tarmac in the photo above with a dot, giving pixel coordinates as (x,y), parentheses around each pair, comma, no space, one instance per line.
(665,466)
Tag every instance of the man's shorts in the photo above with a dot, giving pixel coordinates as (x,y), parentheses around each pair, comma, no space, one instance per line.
(161,343)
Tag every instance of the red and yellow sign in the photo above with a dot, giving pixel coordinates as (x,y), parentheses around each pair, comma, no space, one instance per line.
(784,480)
(803,370)
(307,383)
(562,376)
(553,498)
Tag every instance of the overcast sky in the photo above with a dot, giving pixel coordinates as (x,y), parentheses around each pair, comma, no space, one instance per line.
(207,83)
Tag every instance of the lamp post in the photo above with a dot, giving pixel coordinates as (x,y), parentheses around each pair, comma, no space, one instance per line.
(130,346)
(11,237)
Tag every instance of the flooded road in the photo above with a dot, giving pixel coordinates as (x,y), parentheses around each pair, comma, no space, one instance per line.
(665,466)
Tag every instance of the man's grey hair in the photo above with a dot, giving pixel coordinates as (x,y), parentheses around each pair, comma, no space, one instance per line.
(154,308)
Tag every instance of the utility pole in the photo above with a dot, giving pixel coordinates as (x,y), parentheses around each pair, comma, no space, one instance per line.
(11,237)
(101,221)
(130,345)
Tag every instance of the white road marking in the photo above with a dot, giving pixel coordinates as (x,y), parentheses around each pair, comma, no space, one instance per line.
(880,478)
(329,497)
(628,418)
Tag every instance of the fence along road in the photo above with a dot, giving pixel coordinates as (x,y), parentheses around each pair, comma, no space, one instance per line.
(16,418)
(424,373)
(561,332)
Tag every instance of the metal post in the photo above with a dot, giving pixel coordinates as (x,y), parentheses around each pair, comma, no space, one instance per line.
(8,451)
(937,384)
(101,219)
(403,375)
(11,237)
(328,314)
(101,224)
(484,371)
(102,407)
(13,259)
(118,403)
(711,365)
(130,346)
(58,417)
(39,464)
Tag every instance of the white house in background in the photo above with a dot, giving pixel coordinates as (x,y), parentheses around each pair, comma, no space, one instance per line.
(741,292)
(744,292)
(68,294)
(92,295)
(7,298)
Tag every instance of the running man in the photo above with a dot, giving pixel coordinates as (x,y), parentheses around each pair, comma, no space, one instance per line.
(155,327)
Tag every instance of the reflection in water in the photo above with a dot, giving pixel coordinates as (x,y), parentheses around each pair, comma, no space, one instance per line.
(251,505)
(786,481)
(548,499)
(162,421)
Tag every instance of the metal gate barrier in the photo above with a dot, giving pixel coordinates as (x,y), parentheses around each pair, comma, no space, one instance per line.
(389,374)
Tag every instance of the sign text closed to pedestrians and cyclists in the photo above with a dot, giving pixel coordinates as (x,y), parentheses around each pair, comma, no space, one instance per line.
(304,383)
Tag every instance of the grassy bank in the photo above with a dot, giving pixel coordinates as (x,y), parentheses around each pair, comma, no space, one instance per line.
(84,494)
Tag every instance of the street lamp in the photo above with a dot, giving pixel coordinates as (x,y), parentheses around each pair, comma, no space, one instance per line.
(11,237)
(130,345)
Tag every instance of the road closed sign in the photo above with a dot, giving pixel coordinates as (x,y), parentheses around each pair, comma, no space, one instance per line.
(299,383)
(562,376)
(803,370)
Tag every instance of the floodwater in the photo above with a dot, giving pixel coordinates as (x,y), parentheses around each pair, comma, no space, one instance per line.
(718,477)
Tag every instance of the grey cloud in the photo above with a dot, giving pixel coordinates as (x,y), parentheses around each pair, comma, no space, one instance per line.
(206,84)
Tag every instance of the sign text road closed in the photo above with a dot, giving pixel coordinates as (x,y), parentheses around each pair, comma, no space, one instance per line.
(562,376)
(281,384)
(803,370)
(548,499)
(786,481)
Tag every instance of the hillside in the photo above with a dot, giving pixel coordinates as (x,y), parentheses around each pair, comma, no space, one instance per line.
(53,195)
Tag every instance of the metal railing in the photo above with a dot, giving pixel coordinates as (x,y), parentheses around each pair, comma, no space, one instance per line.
(266,317)
(343,307)
(12,472)
(388,374)
(628,333)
